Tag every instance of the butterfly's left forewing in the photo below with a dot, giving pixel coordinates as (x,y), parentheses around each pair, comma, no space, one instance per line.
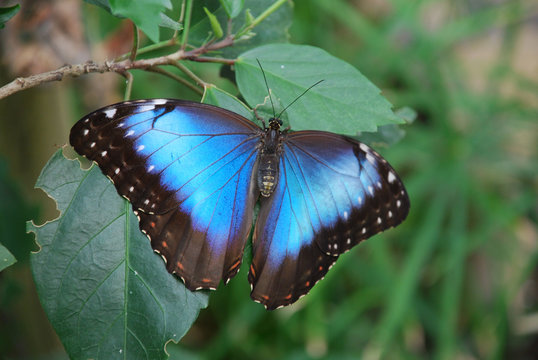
(332,192)
(187,169)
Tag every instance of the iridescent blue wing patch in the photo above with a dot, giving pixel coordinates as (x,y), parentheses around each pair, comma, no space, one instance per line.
(187,170)
(332,192)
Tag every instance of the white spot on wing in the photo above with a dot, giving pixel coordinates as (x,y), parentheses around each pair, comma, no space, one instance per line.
(370,190)
(364,148)
(364,230)
(390,214)
(92,144)
(379,220)
(103,153)
(85,132)
(370,158)
(117,171)
(120,125)
(140,148)
(160,101)
(129,133)
(150,168)
(110,113)
(391,177)
(398,203)
(131,189)
(146,108)
(360,200)
(346,215)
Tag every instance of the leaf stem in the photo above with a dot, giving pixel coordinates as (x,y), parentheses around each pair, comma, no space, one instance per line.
(181,17)
(134,49)
(189,73)
(187,24)
(129,85)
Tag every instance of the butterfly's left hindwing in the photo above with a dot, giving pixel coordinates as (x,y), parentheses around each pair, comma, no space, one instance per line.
(187,170)
(332,193)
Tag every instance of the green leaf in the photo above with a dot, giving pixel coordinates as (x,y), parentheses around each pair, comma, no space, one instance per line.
(215,25)
(146,14)
(167,22)
(232,7)
(409,115)
(7,13)
(346,102)
(220,98)
(249,19)
(388,135)
(6,258)
(106,293)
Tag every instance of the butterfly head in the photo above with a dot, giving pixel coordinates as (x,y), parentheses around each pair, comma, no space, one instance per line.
(275,123)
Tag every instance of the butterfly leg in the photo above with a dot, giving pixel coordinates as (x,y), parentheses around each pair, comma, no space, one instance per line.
(259,117)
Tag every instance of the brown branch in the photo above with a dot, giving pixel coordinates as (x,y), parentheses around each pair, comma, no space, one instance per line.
(119,67)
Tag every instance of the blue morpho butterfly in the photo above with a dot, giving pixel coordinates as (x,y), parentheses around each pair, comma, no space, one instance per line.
(194,172)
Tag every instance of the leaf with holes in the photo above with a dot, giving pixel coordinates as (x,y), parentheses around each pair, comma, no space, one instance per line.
(106,293)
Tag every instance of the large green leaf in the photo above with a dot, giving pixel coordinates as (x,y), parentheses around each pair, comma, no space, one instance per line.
(345,102)
(107,294)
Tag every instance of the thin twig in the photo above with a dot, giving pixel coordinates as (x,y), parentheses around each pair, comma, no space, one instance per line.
(127,62)
(214,60)
(119,67)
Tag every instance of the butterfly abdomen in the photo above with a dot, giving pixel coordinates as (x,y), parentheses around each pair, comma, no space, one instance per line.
(268,162)
(267,173)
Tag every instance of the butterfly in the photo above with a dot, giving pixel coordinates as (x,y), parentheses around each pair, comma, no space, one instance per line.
(194,173)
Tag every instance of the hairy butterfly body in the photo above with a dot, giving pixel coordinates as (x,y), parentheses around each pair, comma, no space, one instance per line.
(194,172)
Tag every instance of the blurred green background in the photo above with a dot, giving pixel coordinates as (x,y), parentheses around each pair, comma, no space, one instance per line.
(458,280)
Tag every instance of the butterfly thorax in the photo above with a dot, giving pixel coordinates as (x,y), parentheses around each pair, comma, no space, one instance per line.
(269,158)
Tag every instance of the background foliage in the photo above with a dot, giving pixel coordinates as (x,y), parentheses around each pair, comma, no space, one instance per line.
(457,279)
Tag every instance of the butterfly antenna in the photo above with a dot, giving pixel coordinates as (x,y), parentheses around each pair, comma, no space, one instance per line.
(297,98)
(267,86)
